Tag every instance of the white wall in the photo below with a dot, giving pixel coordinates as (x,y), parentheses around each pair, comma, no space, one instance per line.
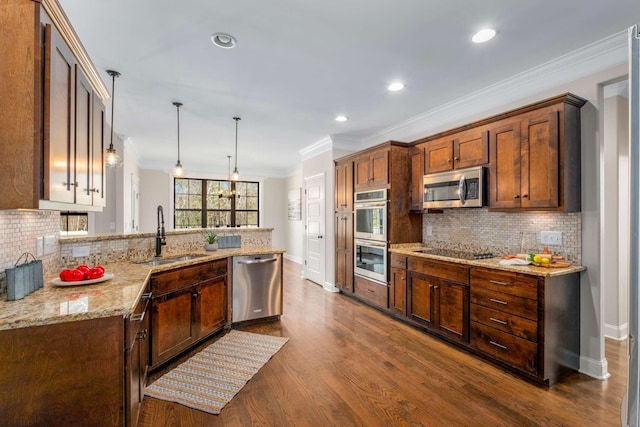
(615,223)
(274,209)
(294,230)
(154,191)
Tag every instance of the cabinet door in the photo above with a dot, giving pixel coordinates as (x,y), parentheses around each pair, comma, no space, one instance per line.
(210,306)
(83,118)
(97,153)
(540,160)
(438,156)
(504,173)
(420,302)
(344,251)
(416,163)
(344,187)
(453,310)
(59,155)
(398,291)
(171,324)
(379,169)
(471,148)
(361,174)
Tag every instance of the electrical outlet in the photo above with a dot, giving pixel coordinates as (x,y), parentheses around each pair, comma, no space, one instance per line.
(39,246)
(429,230)
(551,237)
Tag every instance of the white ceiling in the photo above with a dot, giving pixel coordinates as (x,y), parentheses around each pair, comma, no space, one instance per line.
(298,64)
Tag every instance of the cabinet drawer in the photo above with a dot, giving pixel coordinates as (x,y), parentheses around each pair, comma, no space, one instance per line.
(503,281)
(186,276)
(136,319)
(398,261)
(505,303)
(508,348)
(443,270)
(514,325)
(371,291)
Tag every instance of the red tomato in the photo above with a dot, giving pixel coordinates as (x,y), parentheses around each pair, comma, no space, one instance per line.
(85,270)
(76,275)
(96,273)
(65,275)
(99,267)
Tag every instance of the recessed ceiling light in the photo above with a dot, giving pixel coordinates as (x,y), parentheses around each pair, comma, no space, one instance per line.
(341,118)
(223,40)
(395,86)
(483,35)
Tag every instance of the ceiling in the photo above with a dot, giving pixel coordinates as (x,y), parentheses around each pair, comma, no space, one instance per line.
(298,64)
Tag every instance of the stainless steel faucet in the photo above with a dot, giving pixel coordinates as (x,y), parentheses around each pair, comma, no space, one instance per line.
(161,238)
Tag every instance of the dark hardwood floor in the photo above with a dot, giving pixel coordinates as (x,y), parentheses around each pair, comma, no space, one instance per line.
(347,364)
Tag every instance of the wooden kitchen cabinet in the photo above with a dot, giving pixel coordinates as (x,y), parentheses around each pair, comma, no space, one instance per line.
(188,304)
(344,186)
(458,151)
(416,183)
(373,292)
(535,158)
(344,251)
(438,297)
(371,169)
(49,92)
(136,357)
(398,284)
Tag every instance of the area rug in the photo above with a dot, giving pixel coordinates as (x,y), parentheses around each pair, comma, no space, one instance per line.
(209,379)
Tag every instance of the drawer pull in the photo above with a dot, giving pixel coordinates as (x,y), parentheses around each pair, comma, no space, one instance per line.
(495,282)
(497,301)
(138,317)
(502,322)
(504,347)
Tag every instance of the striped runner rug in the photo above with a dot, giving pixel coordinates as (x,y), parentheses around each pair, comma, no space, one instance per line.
(209,379)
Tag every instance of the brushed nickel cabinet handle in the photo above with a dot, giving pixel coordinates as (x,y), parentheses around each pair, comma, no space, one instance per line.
(502,322)
(497,301)
(516,196)
(495,282)
(504,347)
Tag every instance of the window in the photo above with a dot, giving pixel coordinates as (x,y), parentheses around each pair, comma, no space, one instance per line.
(74,223)
(203,203)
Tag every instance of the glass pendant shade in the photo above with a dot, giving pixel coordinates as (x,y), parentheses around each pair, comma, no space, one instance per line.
(112,159)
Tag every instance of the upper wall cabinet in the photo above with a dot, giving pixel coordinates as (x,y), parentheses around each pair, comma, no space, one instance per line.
(344,186)
(458,151)
(371,169)
(52,126)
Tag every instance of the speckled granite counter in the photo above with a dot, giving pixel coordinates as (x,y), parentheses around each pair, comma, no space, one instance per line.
(490,263)
(115,297)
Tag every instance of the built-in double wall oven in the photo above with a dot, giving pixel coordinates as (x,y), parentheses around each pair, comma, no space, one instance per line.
(370,243)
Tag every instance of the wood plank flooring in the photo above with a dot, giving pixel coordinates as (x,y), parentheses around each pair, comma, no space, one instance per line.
(347,364)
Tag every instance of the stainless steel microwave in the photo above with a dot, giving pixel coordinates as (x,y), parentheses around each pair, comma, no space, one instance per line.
(462,188)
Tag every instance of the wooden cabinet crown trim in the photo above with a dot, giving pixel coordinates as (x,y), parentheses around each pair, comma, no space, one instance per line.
(566,98)
(60,20)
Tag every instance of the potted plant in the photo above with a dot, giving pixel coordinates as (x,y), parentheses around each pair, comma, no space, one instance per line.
(210,240)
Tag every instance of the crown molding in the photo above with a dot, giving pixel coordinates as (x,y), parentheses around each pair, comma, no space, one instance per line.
(582,62)
(62,24)
(320,146)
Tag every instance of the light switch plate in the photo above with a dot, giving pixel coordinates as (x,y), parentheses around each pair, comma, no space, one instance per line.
(49,244)
(39,246)
(429,230)
(80,251)
(551,237)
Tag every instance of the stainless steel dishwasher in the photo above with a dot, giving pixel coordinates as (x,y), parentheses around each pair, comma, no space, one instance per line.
(257,287)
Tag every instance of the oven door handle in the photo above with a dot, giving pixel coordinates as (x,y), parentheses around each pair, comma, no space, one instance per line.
(369,243)
(360,205)
(462,190)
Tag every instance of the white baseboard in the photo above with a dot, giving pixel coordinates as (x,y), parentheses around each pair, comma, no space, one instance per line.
(295,259)
(594,368)
(329,287)
(617,332)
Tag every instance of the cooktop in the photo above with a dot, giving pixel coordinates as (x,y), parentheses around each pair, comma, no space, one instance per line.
(456,254)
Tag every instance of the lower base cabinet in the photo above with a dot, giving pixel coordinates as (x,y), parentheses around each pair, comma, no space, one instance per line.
(370,291)
(188,305)
(136,357)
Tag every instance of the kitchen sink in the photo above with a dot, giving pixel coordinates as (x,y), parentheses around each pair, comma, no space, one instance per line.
(162,261)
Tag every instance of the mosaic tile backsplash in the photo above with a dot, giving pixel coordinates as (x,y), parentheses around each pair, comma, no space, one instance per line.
(478,230)
(18,232)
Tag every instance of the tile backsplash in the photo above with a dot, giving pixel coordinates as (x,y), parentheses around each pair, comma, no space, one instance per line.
(479,230)
(18,232)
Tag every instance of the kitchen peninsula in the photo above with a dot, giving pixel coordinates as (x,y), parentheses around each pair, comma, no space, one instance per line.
(78,353)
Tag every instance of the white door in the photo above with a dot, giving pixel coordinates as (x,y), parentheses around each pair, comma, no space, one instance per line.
(314,228)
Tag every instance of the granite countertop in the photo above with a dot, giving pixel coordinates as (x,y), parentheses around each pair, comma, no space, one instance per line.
(115,297)
(490,263)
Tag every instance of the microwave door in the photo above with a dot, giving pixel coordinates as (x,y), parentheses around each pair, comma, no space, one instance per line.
(462,190)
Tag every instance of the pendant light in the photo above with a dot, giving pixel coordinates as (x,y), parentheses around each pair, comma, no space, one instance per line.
(236,175)
(178,170)
(111,158)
